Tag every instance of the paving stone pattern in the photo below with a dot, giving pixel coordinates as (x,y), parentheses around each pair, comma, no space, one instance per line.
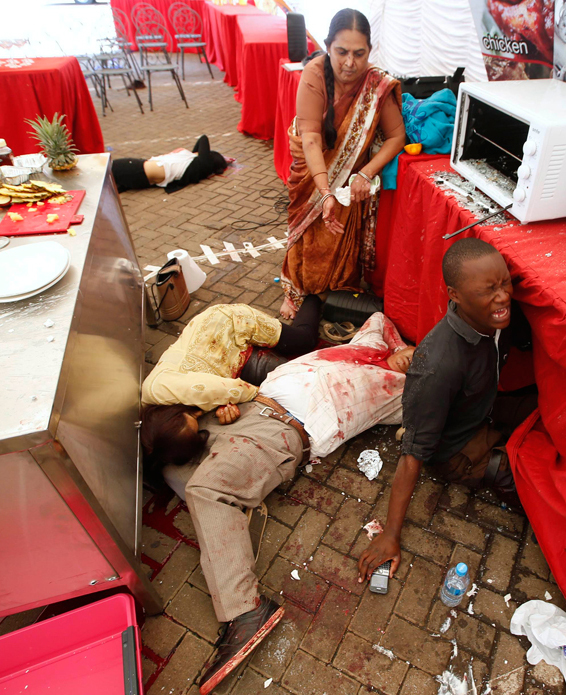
(336,638)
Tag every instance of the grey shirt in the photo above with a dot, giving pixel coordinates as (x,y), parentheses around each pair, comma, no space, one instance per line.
(451,387)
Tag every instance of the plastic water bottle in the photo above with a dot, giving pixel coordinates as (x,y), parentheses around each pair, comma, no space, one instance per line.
(455,585)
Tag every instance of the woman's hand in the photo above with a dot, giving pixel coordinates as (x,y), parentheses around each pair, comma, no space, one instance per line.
(227,414)
(329,216)
(360,189)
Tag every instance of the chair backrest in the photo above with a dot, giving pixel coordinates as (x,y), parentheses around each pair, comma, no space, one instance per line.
(151,33)
(121,25)
(186,21)
(144,13)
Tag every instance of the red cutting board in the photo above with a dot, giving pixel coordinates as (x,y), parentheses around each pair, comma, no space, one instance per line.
(35,217)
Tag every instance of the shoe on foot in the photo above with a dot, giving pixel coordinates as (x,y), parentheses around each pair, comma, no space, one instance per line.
(240,637)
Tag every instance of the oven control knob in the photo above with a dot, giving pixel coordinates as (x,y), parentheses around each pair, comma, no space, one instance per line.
(529,147)
(524,171)
(519,194)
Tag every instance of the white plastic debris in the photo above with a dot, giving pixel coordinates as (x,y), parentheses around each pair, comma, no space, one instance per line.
(489,581)
(50,338)
(295,575)
(547,596)
(507,598)
(471,608)
(545,626)
(49,323)
(454,648)
(386,652)
(473,591)
(308,468)
(310,558)
(451,684)
(445,625)
(268,682)
(370,463)
(373,528)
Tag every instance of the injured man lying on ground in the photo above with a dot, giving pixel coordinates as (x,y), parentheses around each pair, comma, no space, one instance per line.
(238,455)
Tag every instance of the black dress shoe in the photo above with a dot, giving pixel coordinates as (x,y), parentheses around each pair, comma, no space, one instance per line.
(240,637)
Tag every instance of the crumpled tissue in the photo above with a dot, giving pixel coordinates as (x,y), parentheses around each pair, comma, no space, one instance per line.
(545,626)
(343,195)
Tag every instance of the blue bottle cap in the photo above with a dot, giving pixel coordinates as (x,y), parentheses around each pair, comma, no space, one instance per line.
(461,569)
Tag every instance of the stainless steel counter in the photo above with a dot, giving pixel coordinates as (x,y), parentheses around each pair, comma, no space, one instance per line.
(70,471)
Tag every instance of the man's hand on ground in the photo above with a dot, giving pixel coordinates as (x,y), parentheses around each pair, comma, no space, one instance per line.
(227,414)
(382,548)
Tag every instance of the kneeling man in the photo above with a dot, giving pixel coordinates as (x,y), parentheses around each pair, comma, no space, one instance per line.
(451,417)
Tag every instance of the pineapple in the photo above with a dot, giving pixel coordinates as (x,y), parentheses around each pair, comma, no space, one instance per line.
(56,142)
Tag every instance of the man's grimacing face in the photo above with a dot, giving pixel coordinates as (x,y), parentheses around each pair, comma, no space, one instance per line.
(483,295)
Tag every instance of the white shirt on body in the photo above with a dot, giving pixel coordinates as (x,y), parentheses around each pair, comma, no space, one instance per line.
(174,164)
(340,391)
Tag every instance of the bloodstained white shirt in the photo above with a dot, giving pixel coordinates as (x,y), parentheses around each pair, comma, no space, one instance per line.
(341,391)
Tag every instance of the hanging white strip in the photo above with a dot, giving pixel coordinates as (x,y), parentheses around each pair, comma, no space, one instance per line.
(209,254)
(276,242)
(250,249)
(232,252)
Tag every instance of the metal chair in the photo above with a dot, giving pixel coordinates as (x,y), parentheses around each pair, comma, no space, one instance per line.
(113,65)
(147,22)
(151,44)
(188,27)
(122,28)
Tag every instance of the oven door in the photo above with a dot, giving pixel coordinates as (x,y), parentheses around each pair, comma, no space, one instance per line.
(487,147)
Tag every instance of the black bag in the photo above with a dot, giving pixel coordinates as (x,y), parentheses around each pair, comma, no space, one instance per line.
(343,305)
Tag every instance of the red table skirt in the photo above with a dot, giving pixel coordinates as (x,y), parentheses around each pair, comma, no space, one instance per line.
(287,86)
(162,6)
(221,29)
(415,299)
(40,87)
(261,44)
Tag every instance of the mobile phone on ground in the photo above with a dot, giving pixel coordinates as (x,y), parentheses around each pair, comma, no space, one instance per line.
(380,578)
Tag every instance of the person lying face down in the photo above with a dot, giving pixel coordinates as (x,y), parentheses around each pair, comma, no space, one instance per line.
(171,171)
(225,462)
(210,364)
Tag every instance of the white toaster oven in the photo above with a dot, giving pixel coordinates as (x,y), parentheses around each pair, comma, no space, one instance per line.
(510,142)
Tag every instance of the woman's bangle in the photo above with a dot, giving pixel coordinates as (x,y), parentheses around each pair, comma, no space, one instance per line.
(324,197)
(364,176)
(319,173)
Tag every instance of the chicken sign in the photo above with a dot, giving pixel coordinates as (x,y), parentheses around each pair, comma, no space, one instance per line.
(516,37)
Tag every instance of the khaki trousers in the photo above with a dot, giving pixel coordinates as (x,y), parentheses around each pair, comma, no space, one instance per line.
(242,464)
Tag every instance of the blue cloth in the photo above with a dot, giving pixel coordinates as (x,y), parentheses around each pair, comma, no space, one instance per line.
(428,121)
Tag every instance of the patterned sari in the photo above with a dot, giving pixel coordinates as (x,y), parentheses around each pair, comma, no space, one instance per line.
(316,260)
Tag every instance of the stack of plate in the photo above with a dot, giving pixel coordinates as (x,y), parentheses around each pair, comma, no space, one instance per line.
(31,269)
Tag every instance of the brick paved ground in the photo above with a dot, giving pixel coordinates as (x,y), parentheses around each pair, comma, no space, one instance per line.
(334,633)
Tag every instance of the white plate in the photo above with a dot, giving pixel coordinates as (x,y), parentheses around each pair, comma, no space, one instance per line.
(17,298)
(31,267)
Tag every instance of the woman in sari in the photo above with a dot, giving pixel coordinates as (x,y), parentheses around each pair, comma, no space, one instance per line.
(341,101)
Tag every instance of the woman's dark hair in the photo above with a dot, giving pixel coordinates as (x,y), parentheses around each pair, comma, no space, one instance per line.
(219,164)
(345,19)
(166,439)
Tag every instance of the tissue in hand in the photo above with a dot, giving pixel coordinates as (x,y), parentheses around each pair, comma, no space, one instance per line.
(343,194)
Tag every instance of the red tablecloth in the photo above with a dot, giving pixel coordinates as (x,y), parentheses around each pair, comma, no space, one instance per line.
(415,299)
(42,86)
(261,43)
(284,113)
(162,6)
(221,28)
